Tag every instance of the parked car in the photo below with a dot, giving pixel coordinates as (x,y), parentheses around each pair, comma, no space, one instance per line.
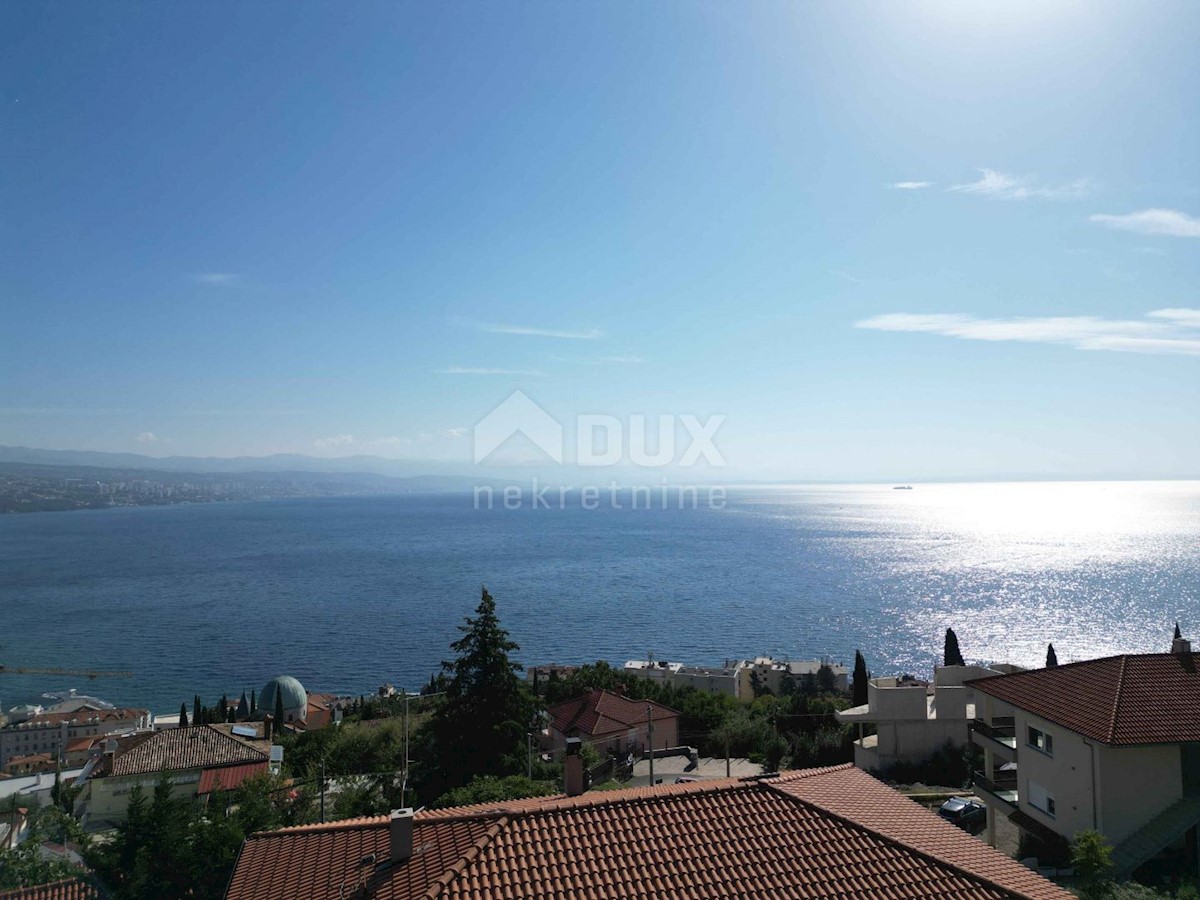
(969,815)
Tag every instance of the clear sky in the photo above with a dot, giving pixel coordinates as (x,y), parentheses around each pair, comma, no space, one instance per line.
(884,240)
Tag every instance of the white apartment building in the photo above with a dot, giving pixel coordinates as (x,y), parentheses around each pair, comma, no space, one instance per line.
(1108,744)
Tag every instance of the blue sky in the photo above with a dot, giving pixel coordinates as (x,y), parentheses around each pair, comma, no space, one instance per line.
(256,228)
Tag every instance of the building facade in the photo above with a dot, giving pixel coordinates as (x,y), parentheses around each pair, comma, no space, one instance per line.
(51,732)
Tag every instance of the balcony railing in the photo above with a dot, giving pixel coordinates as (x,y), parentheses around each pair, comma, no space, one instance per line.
(1004,787)
(1002,731)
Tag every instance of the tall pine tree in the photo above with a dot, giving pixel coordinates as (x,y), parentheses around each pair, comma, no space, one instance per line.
(1051,656)
(278,726)
(183,719)
(481,727)
(859,686)
(243,708)
(952,655)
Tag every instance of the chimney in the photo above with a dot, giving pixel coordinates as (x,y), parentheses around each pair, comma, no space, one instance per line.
(573,765)
(1181,646)
(401,835)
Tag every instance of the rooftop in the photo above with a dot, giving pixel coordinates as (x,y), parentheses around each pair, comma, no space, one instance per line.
(81,716)
(1151,698)
(69,889)
(194,747)
(603,712)
(834,832)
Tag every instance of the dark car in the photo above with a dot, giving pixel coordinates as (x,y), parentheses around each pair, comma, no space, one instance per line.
(969,815)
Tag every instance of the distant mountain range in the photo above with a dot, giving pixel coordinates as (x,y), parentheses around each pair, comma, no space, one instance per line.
(375,471)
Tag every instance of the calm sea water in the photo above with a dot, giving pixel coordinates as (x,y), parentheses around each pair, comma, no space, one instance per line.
(348,593)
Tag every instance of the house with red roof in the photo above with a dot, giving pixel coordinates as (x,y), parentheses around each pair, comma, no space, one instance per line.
(200,760)
(817,833)
(612,721)
(1107,744)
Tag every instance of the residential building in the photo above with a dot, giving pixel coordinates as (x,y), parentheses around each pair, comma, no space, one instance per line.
(736,677)
(833,832)
(611,721)
(771,673)
(29,765)
(196,757)
(52,731)
(913,719)
(1109,744)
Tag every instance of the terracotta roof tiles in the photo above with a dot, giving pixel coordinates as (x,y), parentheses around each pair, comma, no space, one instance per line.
(194,747)
(69,889)
(1149,698)
(822,833)
(603,712)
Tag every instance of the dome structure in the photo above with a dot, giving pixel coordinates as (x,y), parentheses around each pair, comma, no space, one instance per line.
(295,699)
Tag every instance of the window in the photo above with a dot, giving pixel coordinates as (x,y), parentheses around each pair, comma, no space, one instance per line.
(1040,798)
(1041,741)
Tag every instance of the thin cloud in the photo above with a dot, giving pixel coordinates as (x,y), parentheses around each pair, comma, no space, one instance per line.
(473,370)
(336,440)
(1162,331)
(1170,222)
(1002,186)
(220,279)
(588,334)
(611,360)
(147,437)
(910,185)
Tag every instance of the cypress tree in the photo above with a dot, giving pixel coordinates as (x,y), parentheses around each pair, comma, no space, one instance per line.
(197,710)
(223,709)
(1051,656)
(860,680)
(1178,633)
(243,708)
(952,655)
(253,701)
(183,719)
(278,711)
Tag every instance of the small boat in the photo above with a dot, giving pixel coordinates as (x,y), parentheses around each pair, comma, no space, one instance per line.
(902,487)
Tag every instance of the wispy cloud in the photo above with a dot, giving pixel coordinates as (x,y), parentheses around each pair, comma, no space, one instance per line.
(220,279)
(147,437)
(610,360)
(1002,186)
(587,334)
(1162,331)
(335,440)
(1170,222)
(474,370)
(910,185)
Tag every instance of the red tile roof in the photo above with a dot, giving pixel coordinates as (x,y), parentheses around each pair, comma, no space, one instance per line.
(603,712)
(819,833)
(83,716)
(1149,698)
(70,889)
(194,747)
(228,778)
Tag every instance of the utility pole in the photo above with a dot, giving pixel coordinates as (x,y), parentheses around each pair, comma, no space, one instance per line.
(650,738)
(322,789)
(727,754)
(404,783)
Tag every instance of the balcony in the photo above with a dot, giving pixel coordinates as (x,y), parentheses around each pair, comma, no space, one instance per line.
(999,792)
(999,735)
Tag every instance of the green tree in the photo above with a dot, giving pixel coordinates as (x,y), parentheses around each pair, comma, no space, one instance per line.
(1178,634)
(277,726)
(243,708)
(826,680)
(197,711)
(253,702)
(25,865)
(490,789)
(1091,856)
(480,727)
(1051,656)
(859,685)
(952,656)
(183,719)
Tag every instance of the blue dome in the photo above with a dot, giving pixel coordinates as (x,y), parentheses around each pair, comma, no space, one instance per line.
(295,700)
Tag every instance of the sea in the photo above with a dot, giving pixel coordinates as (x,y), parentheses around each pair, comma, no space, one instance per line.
(349,593)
